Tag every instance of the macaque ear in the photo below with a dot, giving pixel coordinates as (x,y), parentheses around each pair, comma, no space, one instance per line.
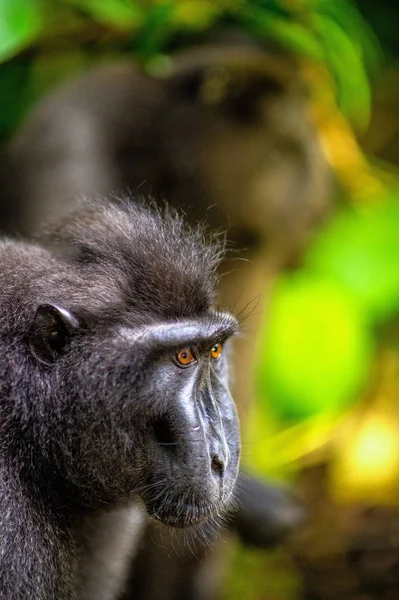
(51,330)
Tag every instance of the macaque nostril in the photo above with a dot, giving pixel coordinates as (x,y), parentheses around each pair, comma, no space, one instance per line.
(217,465)
(163,432)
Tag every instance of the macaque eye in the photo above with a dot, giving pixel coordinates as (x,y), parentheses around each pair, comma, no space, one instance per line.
(216,351)
(185,357)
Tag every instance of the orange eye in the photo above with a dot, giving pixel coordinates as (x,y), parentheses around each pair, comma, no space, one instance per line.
(185,357)
(216,351)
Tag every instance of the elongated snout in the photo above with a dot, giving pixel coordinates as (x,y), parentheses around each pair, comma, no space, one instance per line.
(188,441)
(194,454)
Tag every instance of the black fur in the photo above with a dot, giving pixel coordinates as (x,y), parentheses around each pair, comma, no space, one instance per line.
(94,412)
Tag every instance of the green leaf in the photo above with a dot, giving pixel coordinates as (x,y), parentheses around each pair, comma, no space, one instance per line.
(345,61)
(357,29)
(291,34)
(20,24)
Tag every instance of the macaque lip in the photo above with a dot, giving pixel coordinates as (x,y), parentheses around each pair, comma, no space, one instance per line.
(191,516)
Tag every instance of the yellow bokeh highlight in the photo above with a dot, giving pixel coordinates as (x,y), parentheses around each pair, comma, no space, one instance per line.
(366,467)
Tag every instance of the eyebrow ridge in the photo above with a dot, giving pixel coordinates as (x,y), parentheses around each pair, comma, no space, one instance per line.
(173,334)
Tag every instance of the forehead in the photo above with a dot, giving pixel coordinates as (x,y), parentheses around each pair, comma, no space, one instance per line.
(158,264)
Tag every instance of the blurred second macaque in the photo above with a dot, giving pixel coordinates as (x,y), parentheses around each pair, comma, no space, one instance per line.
(225,133)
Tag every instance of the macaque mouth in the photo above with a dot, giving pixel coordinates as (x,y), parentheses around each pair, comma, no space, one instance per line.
(186,515)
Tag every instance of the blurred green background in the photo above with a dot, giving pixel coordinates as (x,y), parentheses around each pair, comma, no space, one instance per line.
(326,416)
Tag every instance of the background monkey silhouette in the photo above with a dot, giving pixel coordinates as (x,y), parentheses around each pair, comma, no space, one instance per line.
(225,132)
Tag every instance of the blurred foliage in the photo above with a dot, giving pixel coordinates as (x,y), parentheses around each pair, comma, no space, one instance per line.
(323,319)
(248,581)
(31,31)
(384,17)
(20,24)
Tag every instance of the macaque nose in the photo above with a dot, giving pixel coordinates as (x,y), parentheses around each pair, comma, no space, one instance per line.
(218,465)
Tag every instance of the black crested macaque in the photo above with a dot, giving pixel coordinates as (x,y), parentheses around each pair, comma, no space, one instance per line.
(113,394)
